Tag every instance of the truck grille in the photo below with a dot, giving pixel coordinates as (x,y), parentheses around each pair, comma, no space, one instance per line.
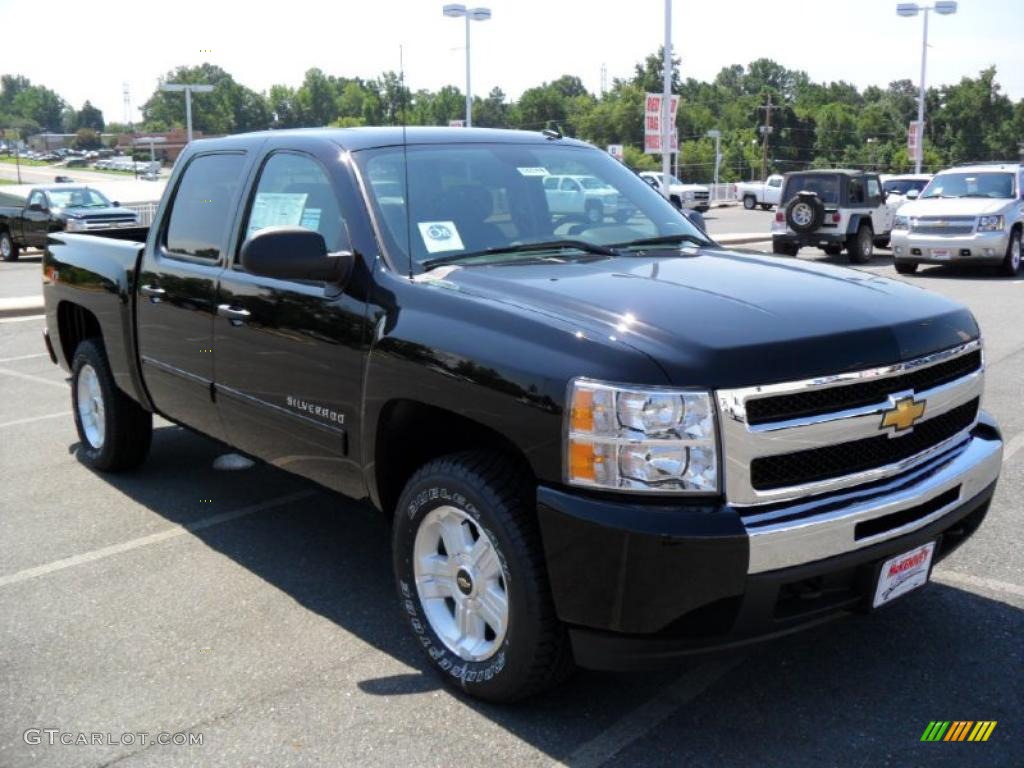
(942,225)
(818,464)
(788,441)
(702,195)
(818,401)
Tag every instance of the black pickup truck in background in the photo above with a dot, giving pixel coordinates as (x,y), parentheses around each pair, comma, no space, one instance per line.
(26,221)
(603,440)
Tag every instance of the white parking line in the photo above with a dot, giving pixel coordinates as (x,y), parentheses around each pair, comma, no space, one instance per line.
(144,541)
(978,582)
(30,377)
(18,422)
(1012,447)
(649,715)
(22,357)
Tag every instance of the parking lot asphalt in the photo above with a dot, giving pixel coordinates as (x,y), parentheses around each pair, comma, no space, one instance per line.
(258,611)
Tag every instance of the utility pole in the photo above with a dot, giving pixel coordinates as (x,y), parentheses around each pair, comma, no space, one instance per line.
(766,132)
(716,134)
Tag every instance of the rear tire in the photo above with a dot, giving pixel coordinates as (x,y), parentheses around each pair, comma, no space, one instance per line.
(749,202)
(906,267)
(1011,262)
(114,431)
(785,249)
(8,248)
(765,207)
(594,212)
(861,246)
(487,561)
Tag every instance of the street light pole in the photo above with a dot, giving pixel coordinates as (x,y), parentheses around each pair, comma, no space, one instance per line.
(454,11)
(946,8)
(716,134)
(188,88)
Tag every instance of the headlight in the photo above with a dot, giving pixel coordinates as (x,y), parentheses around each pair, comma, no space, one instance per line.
(75,225)
(990,223)
(901,222)
(640,439)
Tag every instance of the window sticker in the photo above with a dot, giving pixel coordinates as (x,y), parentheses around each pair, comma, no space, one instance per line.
(310,218)
(440,236)
(537,171)
(271,209)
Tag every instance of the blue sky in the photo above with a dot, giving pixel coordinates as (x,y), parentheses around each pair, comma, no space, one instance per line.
(89,55)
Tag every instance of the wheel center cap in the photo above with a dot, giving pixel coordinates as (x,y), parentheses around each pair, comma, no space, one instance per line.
(464,581)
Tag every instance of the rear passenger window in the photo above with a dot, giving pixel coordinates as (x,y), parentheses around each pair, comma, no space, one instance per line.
(294,190)
(203,206)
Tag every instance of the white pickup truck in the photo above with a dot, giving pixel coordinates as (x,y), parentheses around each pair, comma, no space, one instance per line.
(692,196)
(583,195)
(755,193)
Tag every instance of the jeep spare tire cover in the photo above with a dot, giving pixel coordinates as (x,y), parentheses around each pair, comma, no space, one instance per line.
(805,212)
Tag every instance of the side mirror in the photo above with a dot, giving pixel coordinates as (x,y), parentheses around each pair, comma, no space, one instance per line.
(294,253)
(116,204)
(912,194)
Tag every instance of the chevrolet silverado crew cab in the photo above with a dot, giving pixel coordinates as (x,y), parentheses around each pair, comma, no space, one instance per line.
(610,444)
(26,221)
(966,215)
(833,210)
(578,195)
(694,197)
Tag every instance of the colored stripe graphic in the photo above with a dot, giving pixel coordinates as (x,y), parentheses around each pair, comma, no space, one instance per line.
(958,730)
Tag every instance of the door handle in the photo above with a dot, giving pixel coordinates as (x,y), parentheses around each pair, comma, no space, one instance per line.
(151,290)
(233,313)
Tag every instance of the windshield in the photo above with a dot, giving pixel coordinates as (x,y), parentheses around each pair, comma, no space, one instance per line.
(971,184)
(824,186)
(77,198)
(497,198)
(902,186)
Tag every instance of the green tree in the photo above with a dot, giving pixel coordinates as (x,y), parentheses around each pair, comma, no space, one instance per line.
(87,138)
(89,117)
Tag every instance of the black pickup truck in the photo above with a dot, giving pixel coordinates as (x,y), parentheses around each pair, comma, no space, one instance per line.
(602,440)
(26,221)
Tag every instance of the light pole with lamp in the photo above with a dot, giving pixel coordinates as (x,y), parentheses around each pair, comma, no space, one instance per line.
(454,11)
(946,8)
(189,89)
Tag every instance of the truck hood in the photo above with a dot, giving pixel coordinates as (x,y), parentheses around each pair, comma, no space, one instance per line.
(680,188)
(954,206)
(94,213)
(718,318)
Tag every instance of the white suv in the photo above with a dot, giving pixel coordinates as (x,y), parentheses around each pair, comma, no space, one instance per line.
(966,215)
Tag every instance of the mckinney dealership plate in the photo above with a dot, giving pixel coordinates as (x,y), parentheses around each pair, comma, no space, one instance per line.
(941,253)
(904,573)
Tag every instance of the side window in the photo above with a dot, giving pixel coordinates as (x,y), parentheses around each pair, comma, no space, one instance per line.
(856,192)
(776,182)
(568,185)
(37,198)
(550,183)
(203,206)
(873,192)
(293,190)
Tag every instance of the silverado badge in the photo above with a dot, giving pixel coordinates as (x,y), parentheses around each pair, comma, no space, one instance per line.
(904,413)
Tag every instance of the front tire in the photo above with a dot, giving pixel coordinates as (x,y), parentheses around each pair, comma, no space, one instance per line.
(114,431)
(1011,262)
(469,567)
(766,207)
(862,246)
(906,267)
(8,248)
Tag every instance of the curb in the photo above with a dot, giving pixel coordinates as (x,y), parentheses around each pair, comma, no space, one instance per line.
(18,306)
(739,239)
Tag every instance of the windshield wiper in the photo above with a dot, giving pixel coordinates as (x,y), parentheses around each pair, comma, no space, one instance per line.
(665,240)
(547,245)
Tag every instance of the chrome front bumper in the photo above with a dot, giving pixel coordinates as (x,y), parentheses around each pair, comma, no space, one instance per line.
(984,246)
(810,531)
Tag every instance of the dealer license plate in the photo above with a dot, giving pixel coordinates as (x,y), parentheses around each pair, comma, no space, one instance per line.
(904,573)
(941,253)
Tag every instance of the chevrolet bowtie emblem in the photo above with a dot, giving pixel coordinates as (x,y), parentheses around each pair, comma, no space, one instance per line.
(904,413)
